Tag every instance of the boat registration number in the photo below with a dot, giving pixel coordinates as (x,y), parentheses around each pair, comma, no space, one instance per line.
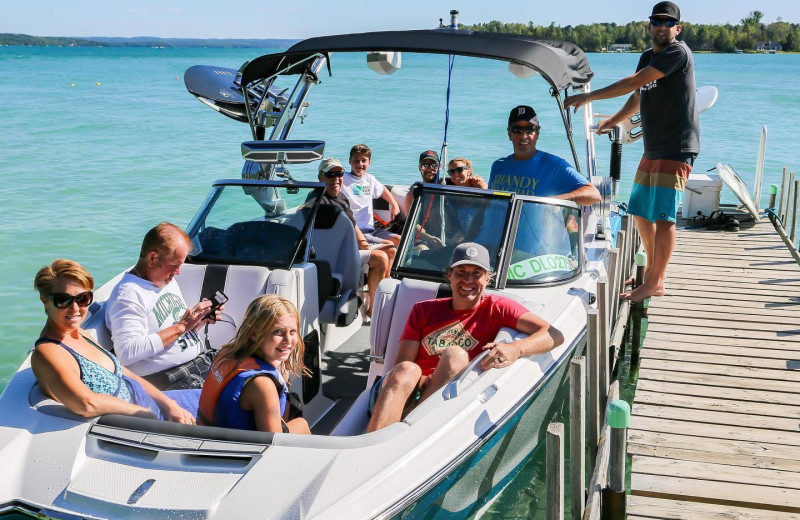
(539,265)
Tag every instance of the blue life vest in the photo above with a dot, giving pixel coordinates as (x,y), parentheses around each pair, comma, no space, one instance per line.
(222,391)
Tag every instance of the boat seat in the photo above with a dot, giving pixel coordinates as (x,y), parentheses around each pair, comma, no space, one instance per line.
(333,240)
(393,302)
(399,194)
(241,283)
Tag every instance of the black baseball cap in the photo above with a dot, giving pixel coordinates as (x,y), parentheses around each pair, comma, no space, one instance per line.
(667,10)
(523,113)
(428,155)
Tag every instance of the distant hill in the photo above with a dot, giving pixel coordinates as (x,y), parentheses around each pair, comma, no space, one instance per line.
(27,40)
(143,41)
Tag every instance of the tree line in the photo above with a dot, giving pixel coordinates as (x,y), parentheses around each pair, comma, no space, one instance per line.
(699,37)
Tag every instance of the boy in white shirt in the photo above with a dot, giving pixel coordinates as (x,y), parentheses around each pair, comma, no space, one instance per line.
(361,188)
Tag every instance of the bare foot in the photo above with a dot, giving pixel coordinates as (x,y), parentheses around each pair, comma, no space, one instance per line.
(642,293)
(630,282)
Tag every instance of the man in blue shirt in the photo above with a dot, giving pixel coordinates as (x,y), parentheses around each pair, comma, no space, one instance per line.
(529,171)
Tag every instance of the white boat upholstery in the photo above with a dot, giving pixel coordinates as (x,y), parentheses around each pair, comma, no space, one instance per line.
(399,194)
(243,284)
(334,242)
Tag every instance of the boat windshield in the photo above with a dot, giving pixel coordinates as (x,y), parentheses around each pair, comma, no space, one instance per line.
(255,223)
(441,219)
(547,244)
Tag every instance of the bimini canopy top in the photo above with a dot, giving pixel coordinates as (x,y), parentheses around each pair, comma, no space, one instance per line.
(561,64)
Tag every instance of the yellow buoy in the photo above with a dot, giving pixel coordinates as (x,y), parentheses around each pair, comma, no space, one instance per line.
(97,83)
(72,84)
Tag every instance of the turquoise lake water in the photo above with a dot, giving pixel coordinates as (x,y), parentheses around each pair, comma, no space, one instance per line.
(87,169)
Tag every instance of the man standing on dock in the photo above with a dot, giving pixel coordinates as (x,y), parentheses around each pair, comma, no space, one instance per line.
(664,93)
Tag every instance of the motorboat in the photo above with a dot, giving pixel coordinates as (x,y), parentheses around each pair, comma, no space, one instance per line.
(267,233)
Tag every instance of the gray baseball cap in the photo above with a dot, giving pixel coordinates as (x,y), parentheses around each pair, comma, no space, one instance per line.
(470,253)
(328,164)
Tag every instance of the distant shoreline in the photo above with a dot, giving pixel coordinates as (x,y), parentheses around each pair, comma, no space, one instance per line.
(26,40)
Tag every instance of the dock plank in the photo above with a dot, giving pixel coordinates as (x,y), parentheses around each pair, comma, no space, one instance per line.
(714,431)
(736,393)
(717,369)
(704,348)
(715,457)
(779,456)
(696,402)
(723,493)
(657,331)
(717,472)
(665,509)
(723,381)
(660,352)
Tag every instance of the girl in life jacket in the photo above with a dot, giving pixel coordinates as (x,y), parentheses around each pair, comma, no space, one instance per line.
(246,386)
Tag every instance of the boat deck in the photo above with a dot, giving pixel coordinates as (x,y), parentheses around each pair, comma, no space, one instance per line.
(715,427)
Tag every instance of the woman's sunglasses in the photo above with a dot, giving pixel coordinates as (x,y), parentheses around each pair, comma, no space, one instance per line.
(332,173)
(667,23)
(64,300)
(459,169)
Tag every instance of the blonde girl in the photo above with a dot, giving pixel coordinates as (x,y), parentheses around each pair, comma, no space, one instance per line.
(246,387)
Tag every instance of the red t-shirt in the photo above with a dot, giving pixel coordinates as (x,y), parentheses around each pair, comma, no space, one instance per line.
(436,326)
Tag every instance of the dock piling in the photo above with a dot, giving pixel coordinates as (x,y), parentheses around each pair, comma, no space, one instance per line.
(603,332)
(789,196)
(784,178)
(622,260)
(619,418)
(593,383)
(613,283)
(796,193)
(773,192)
(555,471)
(638,307)
(577,434)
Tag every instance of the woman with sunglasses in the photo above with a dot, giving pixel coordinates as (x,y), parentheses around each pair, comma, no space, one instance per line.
(74,370)
(459,171)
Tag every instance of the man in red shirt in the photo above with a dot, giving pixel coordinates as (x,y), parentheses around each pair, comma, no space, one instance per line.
(442,336)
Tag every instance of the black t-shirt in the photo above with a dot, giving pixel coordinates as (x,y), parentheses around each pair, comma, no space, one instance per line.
(670,126)
(340,201)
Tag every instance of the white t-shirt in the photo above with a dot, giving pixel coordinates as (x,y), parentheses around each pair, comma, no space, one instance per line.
(360,191)
(135,311)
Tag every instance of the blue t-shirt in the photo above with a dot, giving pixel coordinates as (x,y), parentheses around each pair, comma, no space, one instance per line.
(543,175)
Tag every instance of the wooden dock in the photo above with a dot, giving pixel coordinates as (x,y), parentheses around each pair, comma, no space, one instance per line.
(715,427)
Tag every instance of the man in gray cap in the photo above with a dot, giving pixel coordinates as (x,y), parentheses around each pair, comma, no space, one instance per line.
(443,335)
(380,256)
(664,92)
(529,171)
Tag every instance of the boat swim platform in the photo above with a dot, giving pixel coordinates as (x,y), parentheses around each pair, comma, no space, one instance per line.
(715,425)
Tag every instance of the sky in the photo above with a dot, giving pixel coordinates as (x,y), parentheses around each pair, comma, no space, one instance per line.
(305,18)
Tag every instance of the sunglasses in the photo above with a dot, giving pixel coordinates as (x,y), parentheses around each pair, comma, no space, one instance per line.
(666,23)
(530,130)
(339,173)
(429,166)
(64,300)
(458,169)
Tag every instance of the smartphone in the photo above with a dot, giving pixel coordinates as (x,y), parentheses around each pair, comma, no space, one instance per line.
(219,299)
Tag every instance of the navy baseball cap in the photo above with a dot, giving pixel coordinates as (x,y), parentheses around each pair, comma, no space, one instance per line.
(523,113)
